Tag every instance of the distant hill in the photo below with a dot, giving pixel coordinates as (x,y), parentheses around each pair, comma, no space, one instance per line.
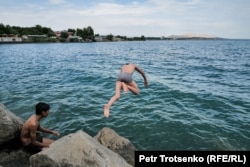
(192,36)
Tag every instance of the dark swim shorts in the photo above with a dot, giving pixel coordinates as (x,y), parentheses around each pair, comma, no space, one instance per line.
(125,77)
(33,148)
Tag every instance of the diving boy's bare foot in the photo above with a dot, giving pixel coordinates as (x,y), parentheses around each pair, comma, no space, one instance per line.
(125,87)
(106,110)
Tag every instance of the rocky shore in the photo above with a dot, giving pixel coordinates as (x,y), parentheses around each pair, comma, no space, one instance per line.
(79,149)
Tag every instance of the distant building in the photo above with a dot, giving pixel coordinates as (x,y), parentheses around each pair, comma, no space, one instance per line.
(98,38)
(101,38)
(9,38)
(75,38)
(37,36)
(117,39)
(58,33)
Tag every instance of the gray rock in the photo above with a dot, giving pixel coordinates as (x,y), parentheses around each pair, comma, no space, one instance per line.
(110,139)
(11,154)
(14,158)
(77,150)
(10,125)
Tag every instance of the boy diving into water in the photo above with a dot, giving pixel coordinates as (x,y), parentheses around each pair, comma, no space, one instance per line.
(125,82)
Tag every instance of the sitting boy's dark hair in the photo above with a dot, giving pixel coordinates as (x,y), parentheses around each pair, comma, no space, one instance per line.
(40,107)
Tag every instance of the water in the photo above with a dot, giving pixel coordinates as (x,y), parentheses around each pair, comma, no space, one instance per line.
(198,96)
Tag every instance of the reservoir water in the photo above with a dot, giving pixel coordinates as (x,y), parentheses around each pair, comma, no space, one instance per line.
(198,96)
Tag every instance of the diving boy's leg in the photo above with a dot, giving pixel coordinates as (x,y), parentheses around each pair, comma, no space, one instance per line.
(125,87)
(106,110)
(133,88)
(113,99)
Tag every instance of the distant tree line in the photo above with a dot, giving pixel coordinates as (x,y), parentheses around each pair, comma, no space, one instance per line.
(86,34)
(16,30)
(47,34)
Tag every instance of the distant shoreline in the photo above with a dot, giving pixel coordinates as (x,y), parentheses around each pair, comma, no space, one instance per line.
(182,39)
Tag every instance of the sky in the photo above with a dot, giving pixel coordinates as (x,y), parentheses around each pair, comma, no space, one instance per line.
(151,18)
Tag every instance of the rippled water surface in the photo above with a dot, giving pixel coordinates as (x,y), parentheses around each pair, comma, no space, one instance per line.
(198,96)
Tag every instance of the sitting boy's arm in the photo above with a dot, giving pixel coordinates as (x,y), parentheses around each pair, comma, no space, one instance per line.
(33,137)
(48,131)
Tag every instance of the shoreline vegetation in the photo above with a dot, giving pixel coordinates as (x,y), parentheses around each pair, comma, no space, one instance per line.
(40,34)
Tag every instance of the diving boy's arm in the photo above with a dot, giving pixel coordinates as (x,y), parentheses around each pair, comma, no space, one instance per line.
(143,75)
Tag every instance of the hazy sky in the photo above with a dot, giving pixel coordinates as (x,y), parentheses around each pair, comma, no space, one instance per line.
(221,18)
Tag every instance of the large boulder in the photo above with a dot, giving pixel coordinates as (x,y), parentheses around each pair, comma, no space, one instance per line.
(11,153)
(110,139)
(77,149)
(10,125)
